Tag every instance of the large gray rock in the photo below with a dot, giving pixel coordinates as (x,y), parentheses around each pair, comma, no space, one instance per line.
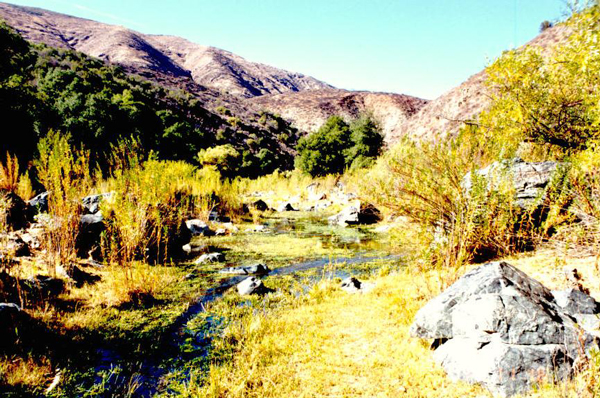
(286,206)
(199,227)
(498,327)
(252,285)
(363,213)
(91,203)
(529,179)
(215,257)
(39,203)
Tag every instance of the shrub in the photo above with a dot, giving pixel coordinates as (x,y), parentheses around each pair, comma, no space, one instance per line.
(64,172)
(550,99)
(224,158)
(337,146)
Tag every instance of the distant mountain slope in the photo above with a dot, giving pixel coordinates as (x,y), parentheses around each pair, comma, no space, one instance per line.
(169,55)
(308,110)
(448,113)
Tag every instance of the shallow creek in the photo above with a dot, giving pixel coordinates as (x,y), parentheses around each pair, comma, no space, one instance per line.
(360,247)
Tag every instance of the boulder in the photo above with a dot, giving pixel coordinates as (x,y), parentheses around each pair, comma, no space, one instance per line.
(17,247)
(363,213)
(199,227)
(351,285)
(286,206)
(76,275)
(91,203)
(90,234)
(11,320)
(260,205)
(42,287)
(17,211)
(39,203)
(529,178)
(194,248)
(498,327)
(255,269)
(252,285)
(210,258)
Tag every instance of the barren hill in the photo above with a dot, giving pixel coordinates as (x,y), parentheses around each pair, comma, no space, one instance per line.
(308,110)
(447,113)
(167,55)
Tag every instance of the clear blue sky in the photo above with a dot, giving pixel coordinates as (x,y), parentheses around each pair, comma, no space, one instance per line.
(417,47)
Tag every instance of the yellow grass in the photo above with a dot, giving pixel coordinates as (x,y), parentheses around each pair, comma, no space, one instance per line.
(340,345)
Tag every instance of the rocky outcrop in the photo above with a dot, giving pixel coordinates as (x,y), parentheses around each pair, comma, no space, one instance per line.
(88,242)
(529,179)
(91,203)
(498,327)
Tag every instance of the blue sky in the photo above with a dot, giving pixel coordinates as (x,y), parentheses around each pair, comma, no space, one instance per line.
(417,47)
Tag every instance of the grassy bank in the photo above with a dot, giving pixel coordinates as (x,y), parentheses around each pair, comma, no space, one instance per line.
(330,343)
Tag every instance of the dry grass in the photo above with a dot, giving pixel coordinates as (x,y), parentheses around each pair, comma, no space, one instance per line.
(340,345)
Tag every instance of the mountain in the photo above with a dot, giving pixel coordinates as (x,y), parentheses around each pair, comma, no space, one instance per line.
(218,78)
(308,110)
(449,112)
(169,55)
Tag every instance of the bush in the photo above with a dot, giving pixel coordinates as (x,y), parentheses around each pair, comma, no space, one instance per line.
(549,99)
(64,172)
(337,146)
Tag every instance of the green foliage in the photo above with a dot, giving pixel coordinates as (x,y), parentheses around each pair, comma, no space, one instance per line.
(65,173)
(549,99)
(337,146)
(224,158)
(98,105)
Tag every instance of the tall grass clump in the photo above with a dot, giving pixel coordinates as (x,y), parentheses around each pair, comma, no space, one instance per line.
(151,199)
(463,216)
(65,173)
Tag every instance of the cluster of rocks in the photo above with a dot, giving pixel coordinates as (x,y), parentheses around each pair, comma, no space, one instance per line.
(529,179)
(498,327)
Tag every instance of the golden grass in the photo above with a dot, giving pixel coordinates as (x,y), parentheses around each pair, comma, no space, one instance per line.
(339,345)
(16,371)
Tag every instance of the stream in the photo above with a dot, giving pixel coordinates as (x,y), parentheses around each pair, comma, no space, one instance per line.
(148,375)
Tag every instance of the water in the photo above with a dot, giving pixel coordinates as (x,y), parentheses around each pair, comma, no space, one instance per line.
(151,370)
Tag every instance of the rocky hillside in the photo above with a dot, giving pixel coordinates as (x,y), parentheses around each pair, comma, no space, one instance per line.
(168,55)
(447,113)
(218,78)
(308,110)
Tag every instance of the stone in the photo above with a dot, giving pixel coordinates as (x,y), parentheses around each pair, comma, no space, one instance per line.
(252,285)
(363,213)
(199,227)
(260,205)
(221,232)
(17,247)
(286,206)
(12,318)
(17,211)
(194,248)
(42,287)
(91,203)
(39,203)
(210,258)
(255,269)
(260,228)
(498,327)
(351,285)
(88,242)
(574,301)
(76,275)
(529,178)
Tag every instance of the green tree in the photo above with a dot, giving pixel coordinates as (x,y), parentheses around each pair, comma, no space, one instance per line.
(322,153)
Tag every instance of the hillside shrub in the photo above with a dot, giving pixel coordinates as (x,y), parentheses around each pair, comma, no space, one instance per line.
(337,146)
